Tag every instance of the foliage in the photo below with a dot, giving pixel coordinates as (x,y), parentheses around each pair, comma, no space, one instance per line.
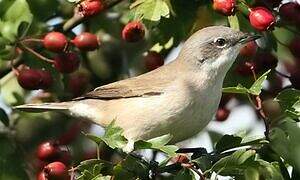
(23,23)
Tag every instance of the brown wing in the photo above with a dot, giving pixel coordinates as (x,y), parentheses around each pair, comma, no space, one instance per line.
(152,83)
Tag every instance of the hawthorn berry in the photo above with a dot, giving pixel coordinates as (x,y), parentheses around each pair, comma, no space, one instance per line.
(290,12)
(55,41)
(153,60)
(48,151)
(90,7)
(41,176)
(261,18)
(295,47)
(86,41)
(249,49)
(46,79)
(32,79)
(67,62)
(222,114)
(133,31)
(225,7)
(56,170)
(77,84)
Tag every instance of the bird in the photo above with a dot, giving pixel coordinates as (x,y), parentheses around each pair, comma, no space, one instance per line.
(179,98)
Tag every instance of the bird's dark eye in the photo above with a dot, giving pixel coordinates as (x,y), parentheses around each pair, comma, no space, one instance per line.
(220,42)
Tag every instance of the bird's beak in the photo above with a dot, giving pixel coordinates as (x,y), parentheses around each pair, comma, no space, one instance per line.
(248,37)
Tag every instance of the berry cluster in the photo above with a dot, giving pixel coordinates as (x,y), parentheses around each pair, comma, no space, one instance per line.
(64,61)
(55,159)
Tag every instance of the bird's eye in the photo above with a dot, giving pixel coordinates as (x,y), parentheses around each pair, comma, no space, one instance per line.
(220,42)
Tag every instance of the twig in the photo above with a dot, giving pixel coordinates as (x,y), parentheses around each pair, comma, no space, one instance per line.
(258,108)
(24,47)
(190,150)
(281,74)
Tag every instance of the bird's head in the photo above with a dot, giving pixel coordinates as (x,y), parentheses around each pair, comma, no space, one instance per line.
(214,48)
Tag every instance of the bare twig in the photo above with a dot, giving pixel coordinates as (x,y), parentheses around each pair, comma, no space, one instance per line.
(24,47)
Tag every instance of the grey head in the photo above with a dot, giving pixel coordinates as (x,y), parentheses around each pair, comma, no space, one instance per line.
(214,47)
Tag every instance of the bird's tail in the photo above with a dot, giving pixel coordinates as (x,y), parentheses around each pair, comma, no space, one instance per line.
(60,106)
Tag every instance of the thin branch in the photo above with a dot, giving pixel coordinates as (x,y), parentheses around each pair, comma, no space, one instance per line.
(190,150)
(281,74)
(24,47)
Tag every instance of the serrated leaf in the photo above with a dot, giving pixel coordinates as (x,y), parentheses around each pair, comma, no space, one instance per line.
(228,142)
(113,137)
(151,10)
(158,143)
(255,89)
(4,118)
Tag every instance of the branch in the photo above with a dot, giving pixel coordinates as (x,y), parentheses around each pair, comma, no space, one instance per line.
(78,18)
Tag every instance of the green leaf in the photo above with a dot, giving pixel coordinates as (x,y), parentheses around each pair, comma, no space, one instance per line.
(239,89)
(232,164)
(251,174)
(204,162)
(234,22)
(3,117)
(113,137)
(18,13)
(151,10)
(255,89)
(289,100)
(184,174)
(131,168)
(158,143)
(227,142)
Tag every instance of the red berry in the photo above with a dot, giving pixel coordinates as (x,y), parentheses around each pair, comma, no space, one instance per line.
(41,176)
(290,12)
(261,18)
(67,62)
(295,79)
(56,170)
(222,114)
(48,151)
(29,79)
(265,61)
(55,41)
(90,7)
(33,79)
(86,41)
(295,47)
(153,60)
(249,49)
(225,7)
(46,79)
(77,84)
(133,31)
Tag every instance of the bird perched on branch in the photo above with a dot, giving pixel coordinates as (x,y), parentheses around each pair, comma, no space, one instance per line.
(179,98)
